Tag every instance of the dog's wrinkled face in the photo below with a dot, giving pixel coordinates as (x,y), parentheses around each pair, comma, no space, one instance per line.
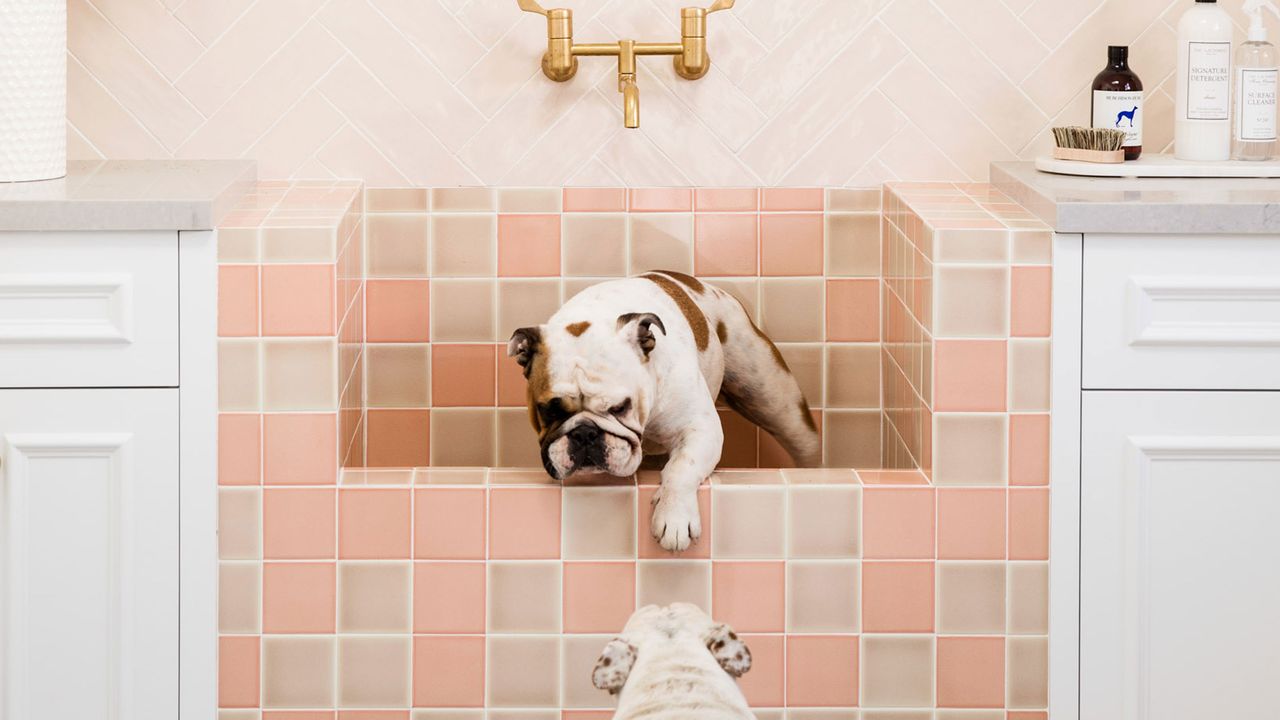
(589,392)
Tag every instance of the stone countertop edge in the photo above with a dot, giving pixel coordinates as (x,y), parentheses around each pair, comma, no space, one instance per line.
(106,195)
(1156,206)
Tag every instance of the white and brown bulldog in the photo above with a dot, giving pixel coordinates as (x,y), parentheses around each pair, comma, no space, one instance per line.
(675,663)
(633,367)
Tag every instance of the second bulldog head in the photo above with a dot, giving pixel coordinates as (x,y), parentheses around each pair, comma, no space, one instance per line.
(589,391)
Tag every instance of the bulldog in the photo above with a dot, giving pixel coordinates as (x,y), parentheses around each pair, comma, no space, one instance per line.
(675,663)
(633,367)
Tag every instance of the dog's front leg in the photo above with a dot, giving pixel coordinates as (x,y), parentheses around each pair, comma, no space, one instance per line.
(676,520)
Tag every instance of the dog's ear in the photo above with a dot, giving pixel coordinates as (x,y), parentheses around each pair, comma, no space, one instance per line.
(523,345)
(613,666)
(640,327)
(728,649)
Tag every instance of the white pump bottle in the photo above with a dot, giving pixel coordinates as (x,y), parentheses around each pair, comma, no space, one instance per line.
(1257,71)
(1202,127)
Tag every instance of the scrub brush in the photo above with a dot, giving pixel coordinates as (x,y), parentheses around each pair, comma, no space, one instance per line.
(1096,145)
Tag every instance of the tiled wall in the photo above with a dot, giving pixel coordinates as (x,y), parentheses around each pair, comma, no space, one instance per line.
(448,92)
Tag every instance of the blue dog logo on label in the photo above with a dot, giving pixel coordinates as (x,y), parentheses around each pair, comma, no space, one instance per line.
(1127,114)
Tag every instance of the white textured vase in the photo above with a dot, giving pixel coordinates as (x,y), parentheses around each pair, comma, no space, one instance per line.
(33,89)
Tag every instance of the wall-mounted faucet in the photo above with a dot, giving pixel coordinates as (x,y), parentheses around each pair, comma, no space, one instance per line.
(560,62)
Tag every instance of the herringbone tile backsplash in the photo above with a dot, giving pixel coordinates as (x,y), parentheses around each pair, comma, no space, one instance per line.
(448,92)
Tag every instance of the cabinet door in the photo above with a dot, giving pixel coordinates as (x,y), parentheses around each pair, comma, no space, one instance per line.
(1180,556)
(89,535)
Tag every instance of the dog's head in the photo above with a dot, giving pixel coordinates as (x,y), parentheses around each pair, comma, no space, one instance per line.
(653,625)
(589,391)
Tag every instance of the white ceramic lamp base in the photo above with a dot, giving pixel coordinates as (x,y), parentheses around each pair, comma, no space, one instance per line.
(33,89)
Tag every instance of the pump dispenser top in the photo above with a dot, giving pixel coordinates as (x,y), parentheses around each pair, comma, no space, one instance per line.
(1254,8)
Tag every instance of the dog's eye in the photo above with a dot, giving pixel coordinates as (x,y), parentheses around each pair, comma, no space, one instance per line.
(621,408)
(553,412)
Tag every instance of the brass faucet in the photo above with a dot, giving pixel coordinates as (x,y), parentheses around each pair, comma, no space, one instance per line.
(689,56)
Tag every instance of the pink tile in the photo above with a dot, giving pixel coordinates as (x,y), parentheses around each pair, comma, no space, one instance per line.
(724,244)
(661,200)
(1027,715)
(237,300)
(462,375)
(238,671)
(791,244)
(300,449)
(649,548)
(298,597)
(397,311)
(524,523)
(725,199)
(398,438)
(1029,524)
(239,449)
(373,523)
(448,597)
(853,310)
(897,597)
(595,199)
(586,715)
(529,245)
(598,596)
(971,672)
(449,523)
(792,199)
(373,715)
(969,375)
(897,523)
(448,671)
(822,671)
(971,524)
(299,715)
(1028,449)
(765,684)
(297,523)
(1030,292)
(892,477)
(512,386)
(298,300)
(750,596)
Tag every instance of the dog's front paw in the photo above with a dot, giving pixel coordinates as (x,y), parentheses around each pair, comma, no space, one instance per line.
(676,522)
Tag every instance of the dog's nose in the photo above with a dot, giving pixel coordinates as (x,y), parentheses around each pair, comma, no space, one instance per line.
(585,447)
(584,434)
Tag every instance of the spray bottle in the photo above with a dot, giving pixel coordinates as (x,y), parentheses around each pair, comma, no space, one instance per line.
(1257,71)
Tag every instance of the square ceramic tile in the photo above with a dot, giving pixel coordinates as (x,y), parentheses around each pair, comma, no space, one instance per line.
(398,376)
(239,598)
(897,597)
(726,244)
(851,438)
(599,523)
(524,523)
(594,245)
(898,523)
(1027,668)
(647,547)
(374,671)
(397,246)
(750,596)
(449,597)
(765,684)
(971,598)
(1028,584)
(971,672)
(298,523)
(580,654)
(298,672)
(971,524)
(239,523)
(823,521)
(749,522)
(462,437)
(461,310)
(853,376)
(448,671)
(298,597)
(524,597)
(398,310)
(373,597)
(896,671)
(516,440)
(523,672)
(971,302)
(819,668)
(791,310)
(791,244)
(661,242)
(970,449)
(662,582)
(823,596)
(299,449)
(529,200)
(598,596)
(463,375)
(374,523)
(464,245)
(853,245)
(528,245)
(398,438)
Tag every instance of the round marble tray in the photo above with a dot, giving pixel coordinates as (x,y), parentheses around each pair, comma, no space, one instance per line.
(1162,166)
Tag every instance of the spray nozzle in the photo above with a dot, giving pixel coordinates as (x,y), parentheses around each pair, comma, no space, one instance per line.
(1254,8)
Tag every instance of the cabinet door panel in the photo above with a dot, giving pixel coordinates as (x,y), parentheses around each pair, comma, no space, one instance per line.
(1180,555)
(88,527)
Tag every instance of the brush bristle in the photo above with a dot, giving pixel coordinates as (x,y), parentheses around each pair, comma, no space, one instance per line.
(1083,138)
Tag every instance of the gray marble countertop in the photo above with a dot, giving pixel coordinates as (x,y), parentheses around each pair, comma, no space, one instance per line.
(1143,205)
(128,195)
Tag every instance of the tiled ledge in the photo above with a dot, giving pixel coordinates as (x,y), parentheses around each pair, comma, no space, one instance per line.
(462,476)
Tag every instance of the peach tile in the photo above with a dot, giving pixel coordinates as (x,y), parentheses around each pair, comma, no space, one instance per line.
(237,300)
(750,596)
(448,671)
(239,449)
(297,523)
(823,596)
(897,523)
(661,199)
(462,199)
(779,199)
(897,672)
(725,244)
(298,300)
(853,310)
(725,199)
(398,438)
(524,597)
(378,200)
(397,310)
(971,524)
(971,672)
(524,523)
(373,597)
(598,596)
(595,199)
(969,375)
(373,523)
(1029,524)
(448,597)
(462,375)
(374,672)
(1033,247)
(298,597)
(765,684)
(300,449)
(449,523)
(822,671)
(1028,449)
(528,245)
(511,385)
(791,244)
(238,671)
(1031,293)
(648,548)
(897,597)
(971,597)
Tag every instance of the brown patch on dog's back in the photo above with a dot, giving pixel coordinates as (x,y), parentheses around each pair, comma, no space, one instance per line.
(692,313)
(576,329)
(722,331)
(688,281)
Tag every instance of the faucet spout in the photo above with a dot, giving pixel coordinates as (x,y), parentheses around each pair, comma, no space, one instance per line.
(630,101)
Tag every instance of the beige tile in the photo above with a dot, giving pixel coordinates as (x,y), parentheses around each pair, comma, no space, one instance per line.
(573,286)
(300,244)
(524,715)
(238,245)
(517,443)
(1028,375)
(791,310)
(524,597)
(870,714)
(851,438)
(662,582)
(599,523)
(970,449)
(971,597)
(297,672)
(448,715)
(464,245)
(970,715)
(853,376)
(797,714)
(373,597)
(396,200)
(896,671)
(462,437)
(594,245)
(823,522)
(529,200)
(462,199)
(397,245)
(806,364)
(462,310)
(239,523)
(525,303)
(1028,598)
(1027,672)
(238,375)
(863,200)
(450,476)
(971,302)
(1032,247)
(374,672)
(822,596)
(580,653)
(662,241)
(853,245)
(398,376)
(523,671)
(748,522)
(299,375)
(239,597)
(224,714)
(971,246)
(746,291)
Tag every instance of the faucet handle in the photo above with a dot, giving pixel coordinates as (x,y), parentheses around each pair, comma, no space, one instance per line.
(532,6)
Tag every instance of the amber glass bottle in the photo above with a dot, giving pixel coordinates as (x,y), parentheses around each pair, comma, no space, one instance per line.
(1117,100)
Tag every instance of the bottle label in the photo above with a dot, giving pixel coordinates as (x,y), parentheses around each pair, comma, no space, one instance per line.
(1256,114)
(1209,81)
(1121,110)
